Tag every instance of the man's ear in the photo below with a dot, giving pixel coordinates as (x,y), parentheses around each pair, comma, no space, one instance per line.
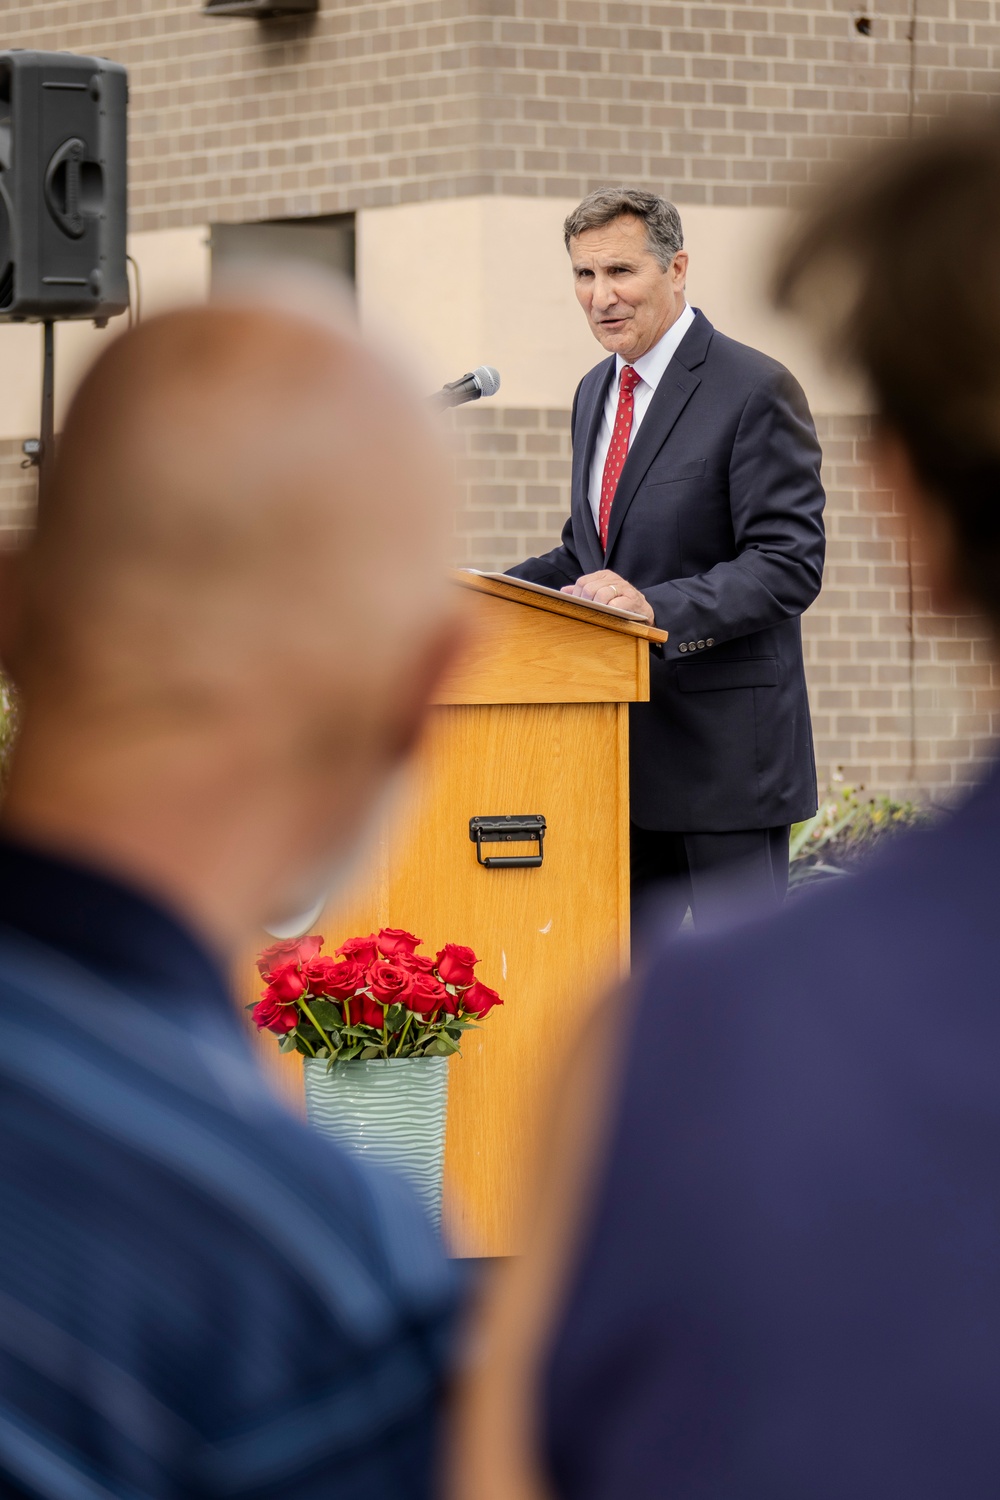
(423,675)
(935,546)
(11,610)
(679,266)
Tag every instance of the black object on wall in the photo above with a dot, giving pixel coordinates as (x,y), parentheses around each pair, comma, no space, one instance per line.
(63,187)
(260,10)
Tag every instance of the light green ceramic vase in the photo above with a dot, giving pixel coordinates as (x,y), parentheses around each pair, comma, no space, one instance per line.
(391,1111)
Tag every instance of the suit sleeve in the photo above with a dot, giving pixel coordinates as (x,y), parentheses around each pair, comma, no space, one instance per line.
(561,565)
(776,501)
(553,568)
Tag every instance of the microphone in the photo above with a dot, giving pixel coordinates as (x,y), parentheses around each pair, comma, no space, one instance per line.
(484,381)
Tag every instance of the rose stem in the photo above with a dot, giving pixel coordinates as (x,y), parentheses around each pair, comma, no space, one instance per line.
(305,1042)
(402,1038)
(326,1039)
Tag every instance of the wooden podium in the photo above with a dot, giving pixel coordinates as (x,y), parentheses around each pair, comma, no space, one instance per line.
(533,720)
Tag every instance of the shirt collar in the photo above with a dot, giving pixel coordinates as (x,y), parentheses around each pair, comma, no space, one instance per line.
(108,927)
(651,365)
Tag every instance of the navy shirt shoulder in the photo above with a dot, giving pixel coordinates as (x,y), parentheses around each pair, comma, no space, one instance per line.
(198,1295)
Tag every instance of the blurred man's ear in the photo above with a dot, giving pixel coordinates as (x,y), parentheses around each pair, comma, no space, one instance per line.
(931,527)
(11,601)
(423,677)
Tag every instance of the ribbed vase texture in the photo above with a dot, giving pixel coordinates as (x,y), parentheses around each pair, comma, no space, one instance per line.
(391,1111)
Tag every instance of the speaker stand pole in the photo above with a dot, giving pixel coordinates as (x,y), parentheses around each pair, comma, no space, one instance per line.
(39,452)
(46,445)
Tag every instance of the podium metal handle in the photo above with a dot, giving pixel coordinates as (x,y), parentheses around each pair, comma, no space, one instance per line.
(523,828)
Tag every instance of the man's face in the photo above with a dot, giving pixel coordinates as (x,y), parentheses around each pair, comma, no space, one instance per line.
(629,299)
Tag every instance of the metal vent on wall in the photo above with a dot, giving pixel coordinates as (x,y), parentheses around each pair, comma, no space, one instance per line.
(260,10)
(326,241)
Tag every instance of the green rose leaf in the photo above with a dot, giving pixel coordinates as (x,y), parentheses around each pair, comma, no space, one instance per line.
(326,1013)
(441,1046)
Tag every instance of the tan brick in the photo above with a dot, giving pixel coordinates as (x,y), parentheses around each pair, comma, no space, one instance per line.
(231,120)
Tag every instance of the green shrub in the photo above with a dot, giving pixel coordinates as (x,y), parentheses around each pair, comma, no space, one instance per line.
(8,727)
(844,831)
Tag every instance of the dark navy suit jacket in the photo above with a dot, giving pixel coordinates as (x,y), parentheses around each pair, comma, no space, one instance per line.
(790,1286)
(717,519)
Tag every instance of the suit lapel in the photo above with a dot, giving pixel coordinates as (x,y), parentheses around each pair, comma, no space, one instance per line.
(589,414)
(669,399)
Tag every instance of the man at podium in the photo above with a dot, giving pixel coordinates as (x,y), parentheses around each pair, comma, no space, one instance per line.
(696,503)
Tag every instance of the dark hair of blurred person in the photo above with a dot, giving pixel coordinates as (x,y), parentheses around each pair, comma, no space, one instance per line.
(863,270)
(772,1272)
(224,633)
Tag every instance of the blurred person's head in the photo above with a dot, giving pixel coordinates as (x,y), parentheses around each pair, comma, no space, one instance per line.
(629,267)
(899,269)
(232,615)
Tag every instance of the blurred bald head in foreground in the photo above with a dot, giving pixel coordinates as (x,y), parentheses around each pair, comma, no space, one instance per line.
(233,611)
(225,633)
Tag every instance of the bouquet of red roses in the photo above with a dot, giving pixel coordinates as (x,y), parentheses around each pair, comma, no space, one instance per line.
(377,997)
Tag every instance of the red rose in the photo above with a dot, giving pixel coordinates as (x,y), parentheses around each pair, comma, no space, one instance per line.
(360,950)
(286,985)
(292,951)
(270,1015)
(394,943)
(388,982)
(415,963)
(337,979)
(367,1012)
(452,1003)
(426,995)
(455,964)
(480,999)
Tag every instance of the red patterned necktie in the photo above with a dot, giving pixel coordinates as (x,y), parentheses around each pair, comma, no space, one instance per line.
(618,452)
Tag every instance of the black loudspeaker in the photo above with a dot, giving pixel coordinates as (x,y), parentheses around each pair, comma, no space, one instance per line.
(63,178)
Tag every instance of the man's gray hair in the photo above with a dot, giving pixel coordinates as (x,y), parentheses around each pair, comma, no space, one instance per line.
(663,223)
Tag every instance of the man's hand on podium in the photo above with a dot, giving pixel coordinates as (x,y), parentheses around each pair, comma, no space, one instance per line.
(609,588)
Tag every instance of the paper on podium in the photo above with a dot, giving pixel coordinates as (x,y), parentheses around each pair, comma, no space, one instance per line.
(543,588)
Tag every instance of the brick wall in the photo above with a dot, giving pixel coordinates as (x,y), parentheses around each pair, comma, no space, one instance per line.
(365,105)
(369,104)
(514,468)
(18,488)
(867,702)
(514,471)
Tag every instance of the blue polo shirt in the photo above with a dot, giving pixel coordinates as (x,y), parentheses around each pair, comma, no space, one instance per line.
(198,1295)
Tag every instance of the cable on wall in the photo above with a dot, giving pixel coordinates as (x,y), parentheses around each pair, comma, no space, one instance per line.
(911,104)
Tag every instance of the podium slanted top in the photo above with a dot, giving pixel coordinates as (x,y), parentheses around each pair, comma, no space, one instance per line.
(533,595)
(527,646)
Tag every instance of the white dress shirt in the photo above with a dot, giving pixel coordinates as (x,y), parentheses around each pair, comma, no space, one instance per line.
(649,368)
